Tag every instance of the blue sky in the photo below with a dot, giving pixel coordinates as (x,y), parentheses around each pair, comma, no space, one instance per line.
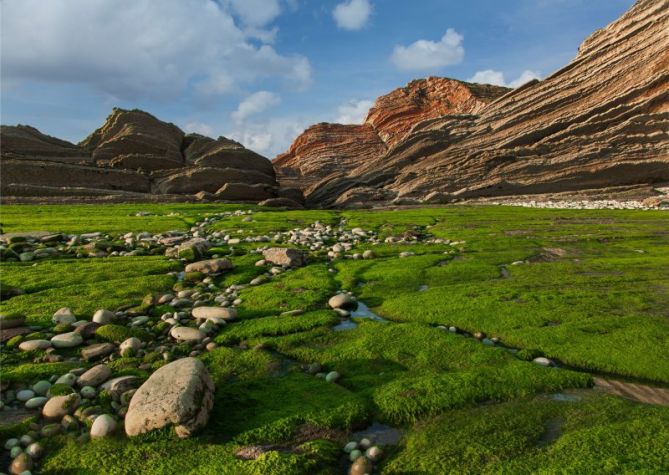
(260,71)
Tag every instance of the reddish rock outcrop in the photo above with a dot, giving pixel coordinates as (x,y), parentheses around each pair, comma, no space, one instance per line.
(326,149)
(394,114)
(601,121)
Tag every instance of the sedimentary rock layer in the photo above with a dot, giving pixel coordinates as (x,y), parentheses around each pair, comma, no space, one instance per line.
(25,142)
(326,149)
(600,121)
(133,152)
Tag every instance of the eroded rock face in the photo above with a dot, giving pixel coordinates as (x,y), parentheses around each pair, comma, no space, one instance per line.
(325,149)
(131,155)
(180,393)
(23,141)
(135,132)
(394,114)
(599,122)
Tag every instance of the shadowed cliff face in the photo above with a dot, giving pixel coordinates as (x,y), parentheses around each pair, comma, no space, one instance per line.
(132,153)
(601,121)
(326,149)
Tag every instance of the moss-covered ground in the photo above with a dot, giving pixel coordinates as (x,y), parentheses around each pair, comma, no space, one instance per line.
(589,289)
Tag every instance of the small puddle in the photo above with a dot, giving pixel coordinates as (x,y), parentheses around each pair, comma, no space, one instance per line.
(565,397)
(380,434)
(362,311)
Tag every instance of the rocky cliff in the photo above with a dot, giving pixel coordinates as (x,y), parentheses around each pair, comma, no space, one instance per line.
(601,121)
(326,149)
(132,154)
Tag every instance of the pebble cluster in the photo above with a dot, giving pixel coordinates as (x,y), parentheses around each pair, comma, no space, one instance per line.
(655,203)
(88,401)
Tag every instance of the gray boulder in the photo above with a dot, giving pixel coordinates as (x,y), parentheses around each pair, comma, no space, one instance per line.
(180,393)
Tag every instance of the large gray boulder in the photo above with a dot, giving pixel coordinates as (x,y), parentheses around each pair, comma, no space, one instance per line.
(180,393)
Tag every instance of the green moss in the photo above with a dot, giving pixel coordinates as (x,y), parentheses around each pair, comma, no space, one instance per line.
(118,333)
(272,326)
(60,390)
(14,341)
(82,285)
(307,288)
(33,372)
(596,435)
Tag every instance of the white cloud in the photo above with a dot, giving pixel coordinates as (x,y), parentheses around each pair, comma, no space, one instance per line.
(525,76)
(199,128)
(490,76)
(270,137)
(256,12)
(353,112)
(352,14)
(426,54)
(134,49)
(254,104)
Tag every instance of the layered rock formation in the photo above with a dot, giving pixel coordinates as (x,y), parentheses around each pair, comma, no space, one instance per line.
(601,121)
(25,142)
(132,155)
(325,149)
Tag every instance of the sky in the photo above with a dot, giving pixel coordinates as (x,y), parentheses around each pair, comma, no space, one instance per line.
(261,71)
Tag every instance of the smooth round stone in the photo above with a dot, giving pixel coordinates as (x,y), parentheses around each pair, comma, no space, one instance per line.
(365,443)
(344,301)
(137,321)
(361,466)
(130,346)
(488,342)
(64,315)
(88,392)
(543,361)
(208,327)
(95,376)
(103,426)
(67,340)
(103,317)
(21,464)
(373,453)
(350,447)
(368,254)
(51,430)
(59,406)
(35,450)
(97,350)
(32,345)
(36,402)
(67,378)
(332,376)
(10,443)
(26,440)
(204,313)
(187,334)
(25,394)
(16,450)
(354,454)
